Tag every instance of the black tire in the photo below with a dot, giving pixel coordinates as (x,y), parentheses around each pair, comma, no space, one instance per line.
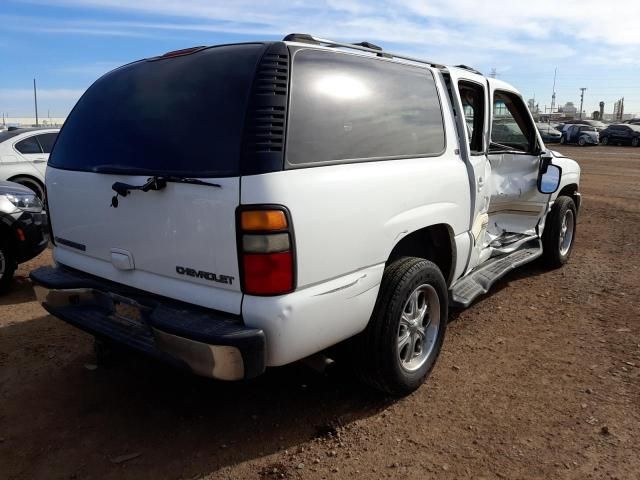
(635,142)
(604,140)
(582,141)
(375,353)
(563,140)
(553,254)
(32,184)
(7,266)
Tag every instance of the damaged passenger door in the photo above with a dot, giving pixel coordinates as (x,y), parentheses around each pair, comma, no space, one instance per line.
(516,206)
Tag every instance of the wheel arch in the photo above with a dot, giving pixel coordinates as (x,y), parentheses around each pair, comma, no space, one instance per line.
(434,242)
(27,176)
(571,190)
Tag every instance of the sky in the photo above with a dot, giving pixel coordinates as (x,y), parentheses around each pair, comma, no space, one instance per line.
(67,44)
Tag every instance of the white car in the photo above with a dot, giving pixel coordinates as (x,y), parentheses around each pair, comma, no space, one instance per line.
(254,204)
(24,153)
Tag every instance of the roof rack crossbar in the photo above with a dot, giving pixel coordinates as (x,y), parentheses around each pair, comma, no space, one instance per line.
(362,46)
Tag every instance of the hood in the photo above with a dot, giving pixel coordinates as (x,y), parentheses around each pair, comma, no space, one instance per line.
(11,187)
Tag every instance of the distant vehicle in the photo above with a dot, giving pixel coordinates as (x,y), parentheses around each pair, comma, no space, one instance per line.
(633,121)
(581,134)
(597,124)
(548,133)
(621,134)
(24,153)
(23,229)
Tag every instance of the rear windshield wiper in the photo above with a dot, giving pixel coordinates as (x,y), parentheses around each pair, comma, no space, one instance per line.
(157,182)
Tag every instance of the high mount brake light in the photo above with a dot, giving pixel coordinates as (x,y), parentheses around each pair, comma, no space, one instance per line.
(266,250)
(179,53)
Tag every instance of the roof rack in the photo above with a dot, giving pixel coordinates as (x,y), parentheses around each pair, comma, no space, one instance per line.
(362,46)
(470,69)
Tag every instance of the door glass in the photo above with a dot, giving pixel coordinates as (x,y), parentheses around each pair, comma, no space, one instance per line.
(512,128)
(472,96)
(28,146)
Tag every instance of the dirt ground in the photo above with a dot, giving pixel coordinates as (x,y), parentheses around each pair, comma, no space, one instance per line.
(540,379)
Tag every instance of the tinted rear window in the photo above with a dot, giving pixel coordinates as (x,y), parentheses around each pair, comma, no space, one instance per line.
(349,108)
(28,145)
(177,116)
(46,141)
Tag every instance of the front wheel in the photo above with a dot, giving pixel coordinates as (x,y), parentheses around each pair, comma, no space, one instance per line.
(559,232)
(582,141)
(635,142)
(604,140)
(563,140)
(402,341)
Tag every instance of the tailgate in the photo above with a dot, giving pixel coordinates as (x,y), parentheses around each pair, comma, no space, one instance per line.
(177,242)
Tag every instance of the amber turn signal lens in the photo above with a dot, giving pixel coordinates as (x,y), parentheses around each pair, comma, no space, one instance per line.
(263,220)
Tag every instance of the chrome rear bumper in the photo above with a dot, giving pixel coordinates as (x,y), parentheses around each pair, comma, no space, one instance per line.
(208,343)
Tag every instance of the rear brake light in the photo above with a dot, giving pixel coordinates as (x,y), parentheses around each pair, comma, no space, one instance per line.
(266,250)
(268,274)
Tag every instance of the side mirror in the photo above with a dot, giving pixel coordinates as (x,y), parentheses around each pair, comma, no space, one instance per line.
(545,161)
(549,180)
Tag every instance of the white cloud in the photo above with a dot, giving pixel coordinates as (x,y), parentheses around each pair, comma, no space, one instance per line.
(584,19)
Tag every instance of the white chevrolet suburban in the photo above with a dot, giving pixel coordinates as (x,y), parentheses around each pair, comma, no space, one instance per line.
(245,206)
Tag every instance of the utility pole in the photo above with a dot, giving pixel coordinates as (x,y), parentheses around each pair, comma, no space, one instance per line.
(581,100)
(35,100)
(553,97)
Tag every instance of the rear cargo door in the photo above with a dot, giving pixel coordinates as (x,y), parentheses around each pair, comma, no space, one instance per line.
(179,117)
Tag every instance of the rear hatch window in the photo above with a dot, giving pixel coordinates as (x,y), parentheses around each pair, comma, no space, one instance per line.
(180,116)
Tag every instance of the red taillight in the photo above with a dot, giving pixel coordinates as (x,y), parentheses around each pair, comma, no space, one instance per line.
(268,274)
(266,250)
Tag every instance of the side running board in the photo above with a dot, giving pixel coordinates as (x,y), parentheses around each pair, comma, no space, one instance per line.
(479,281)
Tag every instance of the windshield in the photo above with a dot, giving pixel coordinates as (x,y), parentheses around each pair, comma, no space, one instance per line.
(180,116)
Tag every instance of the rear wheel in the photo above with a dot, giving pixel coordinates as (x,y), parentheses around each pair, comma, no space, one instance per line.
(582,141)
(7,266)
(559,232)
(635,142)
(563,140)
(604,140)
(401,344)
(32,184)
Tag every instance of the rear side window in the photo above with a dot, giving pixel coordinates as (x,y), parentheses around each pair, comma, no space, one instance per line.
(182,115)
(28,145)
(349,108)
(46,141)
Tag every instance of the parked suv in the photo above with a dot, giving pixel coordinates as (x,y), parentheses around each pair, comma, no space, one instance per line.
(255,204)
(621,134)
(583,135)
(23,156)
(597,124)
